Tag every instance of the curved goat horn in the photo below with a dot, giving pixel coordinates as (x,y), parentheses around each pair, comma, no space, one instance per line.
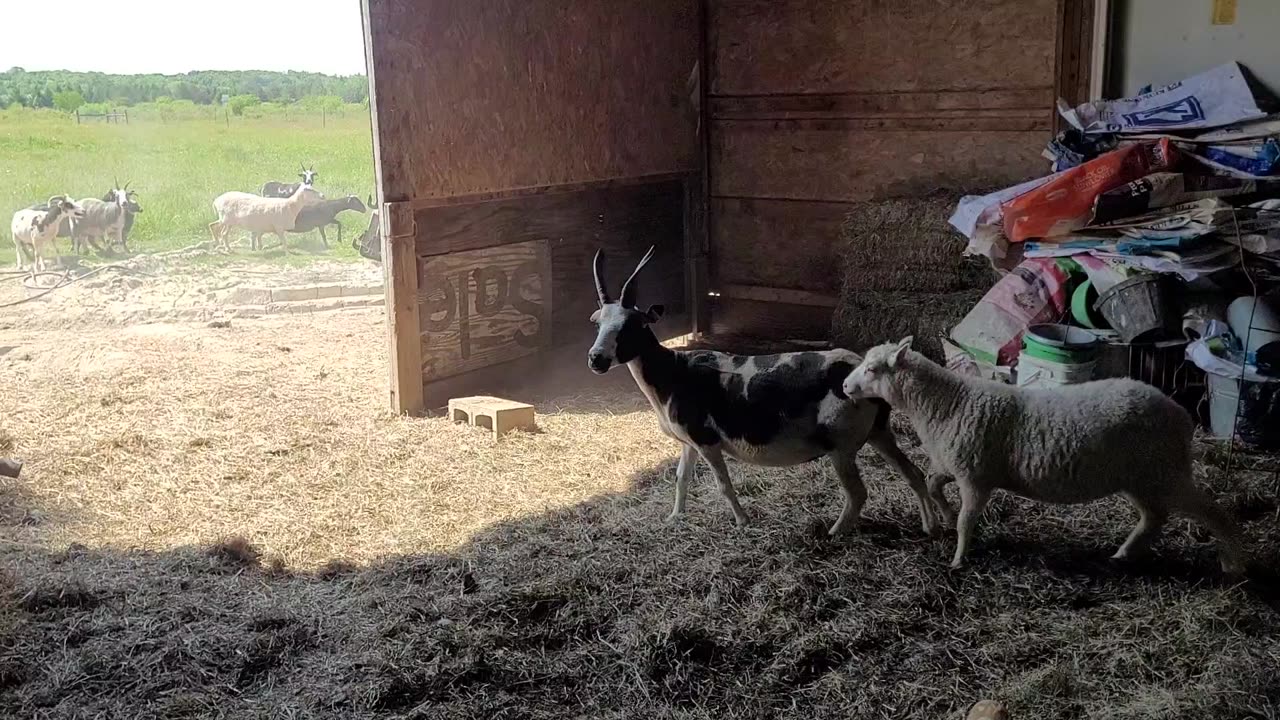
(598,267)
(629,287)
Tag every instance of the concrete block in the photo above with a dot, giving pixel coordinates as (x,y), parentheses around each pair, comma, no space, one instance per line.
(495,414)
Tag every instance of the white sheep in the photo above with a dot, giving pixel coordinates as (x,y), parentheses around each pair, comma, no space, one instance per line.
(1072,444)
(259,215)
(36,229)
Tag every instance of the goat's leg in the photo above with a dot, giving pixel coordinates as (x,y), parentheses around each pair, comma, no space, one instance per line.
(855,491)
(339,233)
(715,458)
(973,500)
(324,240)
(886,445)
(684,472)
(1151,518)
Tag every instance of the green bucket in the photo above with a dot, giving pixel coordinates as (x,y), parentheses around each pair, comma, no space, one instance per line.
(1060,344)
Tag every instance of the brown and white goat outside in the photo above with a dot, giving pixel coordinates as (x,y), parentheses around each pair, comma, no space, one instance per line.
(1068,445)
(777,410)
(35,230)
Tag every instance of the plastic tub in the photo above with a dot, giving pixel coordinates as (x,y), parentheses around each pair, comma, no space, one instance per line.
(1255,420)
(1037,372)
(1266,322)
(1136,308)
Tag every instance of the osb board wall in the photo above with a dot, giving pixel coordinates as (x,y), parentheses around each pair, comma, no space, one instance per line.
(820,108)
(485,95)
(622,221)
(483,307)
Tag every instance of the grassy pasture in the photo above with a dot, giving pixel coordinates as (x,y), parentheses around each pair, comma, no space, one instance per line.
(179,165)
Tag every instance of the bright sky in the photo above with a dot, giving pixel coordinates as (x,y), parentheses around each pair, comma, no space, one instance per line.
(176,36)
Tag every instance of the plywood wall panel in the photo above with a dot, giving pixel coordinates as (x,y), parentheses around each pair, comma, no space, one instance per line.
(790,160)
(487,95)
(841,46)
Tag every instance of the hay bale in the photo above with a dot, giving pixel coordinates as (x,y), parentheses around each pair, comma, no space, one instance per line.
(907,245)
(864,319)
(903,272)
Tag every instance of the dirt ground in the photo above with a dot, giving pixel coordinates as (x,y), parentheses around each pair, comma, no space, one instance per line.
(227,522)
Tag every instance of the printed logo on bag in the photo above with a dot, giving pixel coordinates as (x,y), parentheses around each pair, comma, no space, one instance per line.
(1180,112)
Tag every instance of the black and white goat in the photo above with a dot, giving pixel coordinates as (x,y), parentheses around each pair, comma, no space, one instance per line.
(324,214)
(283,190)
(777,410)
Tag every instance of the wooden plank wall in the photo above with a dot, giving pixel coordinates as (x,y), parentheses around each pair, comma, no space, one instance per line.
(497,122)
(819,104)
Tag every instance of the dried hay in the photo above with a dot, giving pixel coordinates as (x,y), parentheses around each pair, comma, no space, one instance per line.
(233,529)
(903,273)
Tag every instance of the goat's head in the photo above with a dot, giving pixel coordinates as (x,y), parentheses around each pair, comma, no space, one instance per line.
(131,201)
(308,175)
(623,331)
(354,203)
(65,206)
(874,375)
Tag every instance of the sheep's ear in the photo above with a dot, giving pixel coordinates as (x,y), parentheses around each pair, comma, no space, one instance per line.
(899,352)
(655,313)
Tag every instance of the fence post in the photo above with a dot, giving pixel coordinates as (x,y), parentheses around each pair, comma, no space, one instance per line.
(77,117)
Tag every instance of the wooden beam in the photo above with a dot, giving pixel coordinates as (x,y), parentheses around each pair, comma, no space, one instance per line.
(697,249)
(400,267)
(1100,57)
(760,293)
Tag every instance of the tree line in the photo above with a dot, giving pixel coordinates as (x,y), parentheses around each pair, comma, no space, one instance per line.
(69,91)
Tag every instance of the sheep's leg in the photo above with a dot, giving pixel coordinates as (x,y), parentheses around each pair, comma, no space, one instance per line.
(1198,505)
(255,241)
(284,243)
(715,458)
(216,232)
(684,473)
(886,445)
(938,482)
(1151,518)
(973,500)
(855,491)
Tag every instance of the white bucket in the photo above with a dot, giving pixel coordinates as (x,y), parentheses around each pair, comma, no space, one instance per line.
(1038,372)
(1224,402)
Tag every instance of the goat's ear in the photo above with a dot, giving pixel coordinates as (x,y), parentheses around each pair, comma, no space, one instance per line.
(595,316)
(901,351)
(655,313)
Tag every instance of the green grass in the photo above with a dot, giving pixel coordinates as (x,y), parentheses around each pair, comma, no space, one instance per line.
(180,166)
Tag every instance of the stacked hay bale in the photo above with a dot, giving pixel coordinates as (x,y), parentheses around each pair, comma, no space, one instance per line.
(903,273)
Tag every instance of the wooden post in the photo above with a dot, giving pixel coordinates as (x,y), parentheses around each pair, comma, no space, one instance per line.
(400,269)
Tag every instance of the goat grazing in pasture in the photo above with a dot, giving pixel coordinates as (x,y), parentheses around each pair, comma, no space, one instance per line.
(325,213)
(259,215)
(1066,445)
(274,189)
(777,410)
(35,230)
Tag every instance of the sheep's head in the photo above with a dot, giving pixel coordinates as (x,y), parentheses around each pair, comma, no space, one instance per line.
(309,195)
(622,329)
(874,375)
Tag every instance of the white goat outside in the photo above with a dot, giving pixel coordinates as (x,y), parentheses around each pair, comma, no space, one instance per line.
(259,215)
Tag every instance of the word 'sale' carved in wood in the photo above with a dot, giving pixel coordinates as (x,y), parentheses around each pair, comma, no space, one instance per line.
(483,307)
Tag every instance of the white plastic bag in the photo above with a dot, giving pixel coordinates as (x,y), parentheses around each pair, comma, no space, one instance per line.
(1214,98)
